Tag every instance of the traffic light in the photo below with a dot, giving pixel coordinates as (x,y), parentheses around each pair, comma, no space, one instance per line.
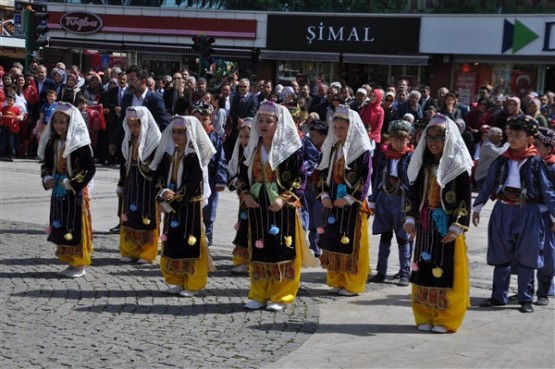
(197,43)
(35,28)
(207,46)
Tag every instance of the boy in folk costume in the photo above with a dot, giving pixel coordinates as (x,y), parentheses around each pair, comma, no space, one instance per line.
(545,144)
(217,168)
(437,214)
(271,182)
(241,240)
(68,168)
(344,185)
(519,180)
(137,182)
(389,191)
(181,162)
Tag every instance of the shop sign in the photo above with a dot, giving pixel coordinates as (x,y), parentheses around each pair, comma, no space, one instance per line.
(532,35)
(81,23)
(343,34)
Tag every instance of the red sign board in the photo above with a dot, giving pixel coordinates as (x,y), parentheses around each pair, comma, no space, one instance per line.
(166,26)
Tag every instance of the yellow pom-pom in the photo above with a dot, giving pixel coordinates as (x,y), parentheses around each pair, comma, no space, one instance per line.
(345,240)
(288,241)
(437,272)
(192,240)
(68,236)
(146,221)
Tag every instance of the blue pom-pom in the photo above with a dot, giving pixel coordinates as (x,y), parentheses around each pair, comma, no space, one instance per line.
(273,230)
(174,224)
(426,256)
(331,219)
(56,224)
(133,207)
(244,215)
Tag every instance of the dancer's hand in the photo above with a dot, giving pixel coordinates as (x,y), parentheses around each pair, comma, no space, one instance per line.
(450,237)
(410,229)
(250,202)
(327,203)
(340,202)
(50,183)
(277,205)
(168,195)
(475,218)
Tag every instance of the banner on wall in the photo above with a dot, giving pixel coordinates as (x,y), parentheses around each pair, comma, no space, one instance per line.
(465,85)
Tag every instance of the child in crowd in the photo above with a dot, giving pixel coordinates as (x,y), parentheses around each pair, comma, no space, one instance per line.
(519,180)
(139,229)
(437,214)
(10,117)
(45,111)
(217,169)
(241,250)
(68,168)
(390,186)
(91,118)
(181,162)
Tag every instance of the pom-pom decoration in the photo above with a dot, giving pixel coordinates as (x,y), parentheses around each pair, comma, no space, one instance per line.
(244,215)
(124,217)
(345,240)
(437,272)
(414,266)
(68,236)
(331,219)
(259,244)
(48,230)
(236,226)
(320,230)
(164,237)
(174,224)
(146,221)
(426,256)
(56,224)
(133,207)
(288,241)
(274,230)
(192,240)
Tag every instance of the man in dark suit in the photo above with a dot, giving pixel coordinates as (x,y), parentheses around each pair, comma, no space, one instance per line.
(112,100)
(43,83)
(138,94)
(243,104)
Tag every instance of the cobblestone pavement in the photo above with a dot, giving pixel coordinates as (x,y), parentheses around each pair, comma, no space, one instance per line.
(119,316)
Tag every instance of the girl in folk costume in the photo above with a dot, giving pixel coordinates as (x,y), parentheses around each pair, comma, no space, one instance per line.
(241,240)
(137,182)
(437,213)
(545,143)
(344,186)
(68,168)
(271,183)
(181,162)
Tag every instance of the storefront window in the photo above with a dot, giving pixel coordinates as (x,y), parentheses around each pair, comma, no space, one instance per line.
(503,78)
(354,75)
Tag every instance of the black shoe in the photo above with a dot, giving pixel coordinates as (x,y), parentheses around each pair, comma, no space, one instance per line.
(8,159)
(526,307)
(542,301)
(403,282)
(396,276)
(513,298)
(115,229)
(491,303)
(378,278)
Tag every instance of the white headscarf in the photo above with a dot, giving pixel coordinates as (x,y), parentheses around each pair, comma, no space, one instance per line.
(197,142)
(149,137)
(233,165)
(455,158)
(285,142)
(357,141)
(77,132)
